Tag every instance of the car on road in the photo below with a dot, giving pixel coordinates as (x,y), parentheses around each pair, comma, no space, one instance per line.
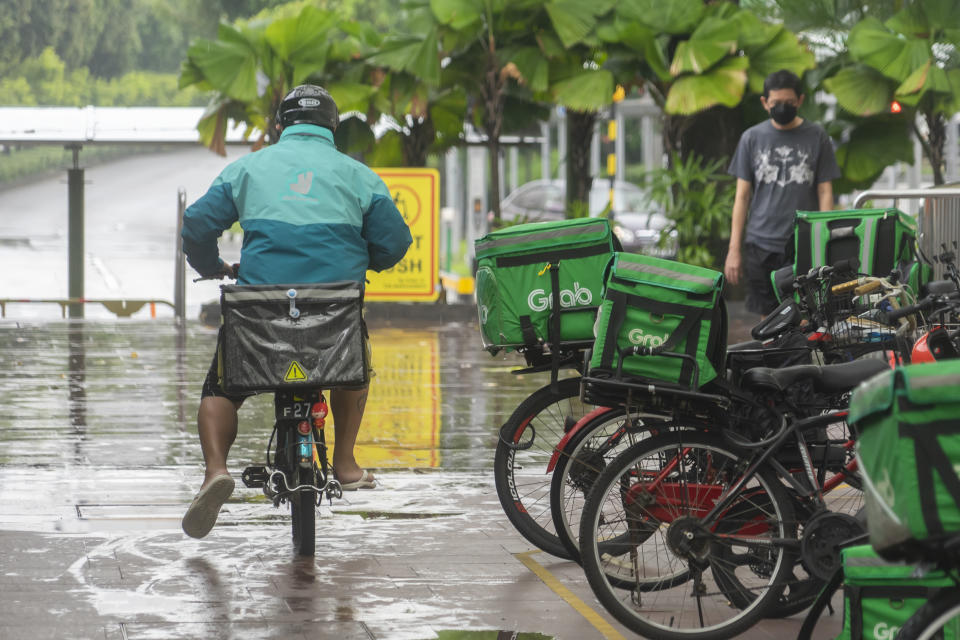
(636,221)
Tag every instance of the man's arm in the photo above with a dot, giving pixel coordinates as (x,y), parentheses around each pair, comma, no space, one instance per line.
(825,196)
(741,204)
(387,235)
(203,222)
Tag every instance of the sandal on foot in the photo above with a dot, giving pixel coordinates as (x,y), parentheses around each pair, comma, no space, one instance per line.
(366,481)
(202,514)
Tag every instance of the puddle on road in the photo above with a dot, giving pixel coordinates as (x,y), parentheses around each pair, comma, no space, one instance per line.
(125,393)
(98,441)
(490,635)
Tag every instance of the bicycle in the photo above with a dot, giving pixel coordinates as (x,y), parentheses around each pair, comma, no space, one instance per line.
(297,469)
(703,504)
(598,438)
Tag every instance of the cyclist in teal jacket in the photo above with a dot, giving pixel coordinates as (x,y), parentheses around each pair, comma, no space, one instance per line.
(309,214)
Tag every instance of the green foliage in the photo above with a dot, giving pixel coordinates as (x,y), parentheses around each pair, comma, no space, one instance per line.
(697,198)
(45,80)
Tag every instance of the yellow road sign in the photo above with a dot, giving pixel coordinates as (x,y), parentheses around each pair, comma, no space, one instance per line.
(401,424)
(416,192)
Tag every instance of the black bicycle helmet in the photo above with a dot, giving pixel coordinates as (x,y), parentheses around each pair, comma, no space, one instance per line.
(308,104)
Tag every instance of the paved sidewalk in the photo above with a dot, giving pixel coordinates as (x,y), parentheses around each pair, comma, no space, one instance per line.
(99,458)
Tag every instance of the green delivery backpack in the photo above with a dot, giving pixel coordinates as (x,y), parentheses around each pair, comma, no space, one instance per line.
(908,451)
(881,239)
(880,596)
(526,271)
(663,304)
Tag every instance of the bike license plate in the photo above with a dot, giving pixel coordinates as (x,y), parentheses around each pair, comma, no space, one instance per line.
(294,409)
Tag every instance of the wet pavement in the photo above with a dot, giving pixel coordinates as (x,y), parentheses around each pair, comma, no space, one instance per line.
(99,457)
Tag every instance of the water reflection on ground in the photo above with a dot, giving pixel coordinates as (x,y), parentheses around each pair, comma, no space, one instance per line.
(127,393)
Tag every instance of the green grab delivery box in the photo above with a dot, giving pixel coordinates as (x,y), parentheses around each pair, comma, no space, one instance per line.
(880,596)
(908,452)
(522,270)
(665,305)
(881,239)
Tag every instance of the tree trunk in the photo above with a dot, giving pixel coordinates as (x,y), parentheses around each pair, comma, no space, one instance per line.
(580,125)
(936,139)
(416,144)
(711,134)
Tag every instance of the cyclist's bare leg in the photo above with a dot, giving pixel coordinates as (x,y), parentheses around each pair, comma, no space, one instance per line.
(348,406)
(217,427)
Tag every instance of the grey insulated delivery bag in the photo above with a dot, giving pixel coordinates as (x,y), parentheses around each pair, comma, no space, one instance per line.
(287,337)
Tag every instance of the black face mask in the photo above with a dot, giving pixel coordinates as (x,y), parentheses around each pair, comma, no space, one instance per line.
(783,113)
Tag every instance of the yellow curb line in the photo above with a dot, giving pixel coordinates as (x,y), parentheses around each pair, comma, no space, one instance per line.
(578,605)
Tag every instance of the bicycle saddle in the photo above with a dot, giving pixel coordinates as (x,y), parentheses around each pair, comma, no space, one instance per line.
(831,378)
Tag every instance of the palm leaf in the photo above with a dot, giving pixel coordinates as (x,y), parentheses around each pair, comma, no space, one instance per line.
(784,51)
(723,85)
(588,90)
(861,90)
(416,55)
(229,66)
(457,14)
(573,20)
(674,17)
(873,146)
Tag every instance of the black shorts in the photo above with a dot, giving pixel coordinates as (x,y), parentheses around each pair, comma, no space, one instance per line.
(757,265)
(211,384)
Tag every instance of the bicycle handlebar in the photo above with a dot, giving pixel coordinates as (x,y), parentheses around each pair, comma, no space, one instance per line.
(222,274)
(868,287)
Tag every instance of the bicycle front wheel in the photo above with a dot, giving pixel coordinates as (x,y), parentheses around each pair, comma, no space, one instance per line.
(670,573)
(582,460)
(520,471)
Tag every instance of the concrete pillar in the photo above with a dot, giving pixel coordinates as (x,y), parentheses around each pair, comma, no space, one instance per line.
(951,151)
(453,194)
(562,144)
(477,205)
(514,168)
(545,150)
(595,150)
(620,146)
(648,139)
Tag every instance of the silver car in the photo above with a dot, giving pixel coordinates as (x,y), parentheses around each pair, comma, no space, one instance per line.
(636,221)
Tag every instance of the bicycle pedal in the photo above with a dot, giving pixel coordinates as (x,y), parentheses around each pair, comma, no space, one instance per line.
(255,477)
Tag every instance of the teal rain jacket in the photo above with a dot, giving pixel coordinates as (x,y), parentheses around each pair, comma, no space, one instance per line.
(309,214)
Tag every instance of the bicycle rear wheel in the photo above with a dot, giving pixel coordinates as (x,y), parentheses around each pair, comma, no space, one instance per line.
(687,578)
(523,485)
(933,618)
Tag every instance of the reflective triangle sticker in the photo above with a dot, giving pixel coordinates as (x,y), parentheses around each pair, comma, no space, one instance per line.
(295,373)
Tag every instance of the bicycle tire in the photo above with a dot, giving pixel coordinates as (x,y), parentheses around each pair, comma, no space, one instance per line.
(523,485)
(580,462)
(931,618)
(303,511)
(669,617)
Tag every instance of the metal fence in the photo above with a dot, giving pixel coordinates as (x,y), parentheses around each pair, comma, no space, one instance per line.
(938,219)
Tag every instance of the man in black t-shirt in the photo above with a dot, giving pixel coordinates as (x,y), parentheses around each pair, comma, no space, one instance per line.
(782,165)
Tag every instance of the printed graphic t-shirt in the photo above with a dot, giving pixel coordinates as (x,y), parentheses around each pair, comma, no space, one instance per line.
(784,168)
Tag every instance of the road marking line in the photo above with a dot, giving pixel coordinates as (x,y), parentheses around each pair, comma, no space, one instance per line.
(578,605)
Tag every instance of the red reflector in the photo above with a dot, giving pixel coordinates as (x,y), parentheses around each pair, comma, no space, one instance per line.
(304,427)
(895,107)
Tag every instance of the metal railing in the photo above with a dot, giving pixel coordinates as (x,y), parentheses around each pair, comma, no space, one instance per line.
(179,269)
(122,308)
(938,221)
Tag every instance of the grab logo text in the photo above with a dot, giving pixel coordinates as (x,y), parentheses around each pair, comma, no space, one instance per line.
(638,337)
(540,300)
(884,631)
